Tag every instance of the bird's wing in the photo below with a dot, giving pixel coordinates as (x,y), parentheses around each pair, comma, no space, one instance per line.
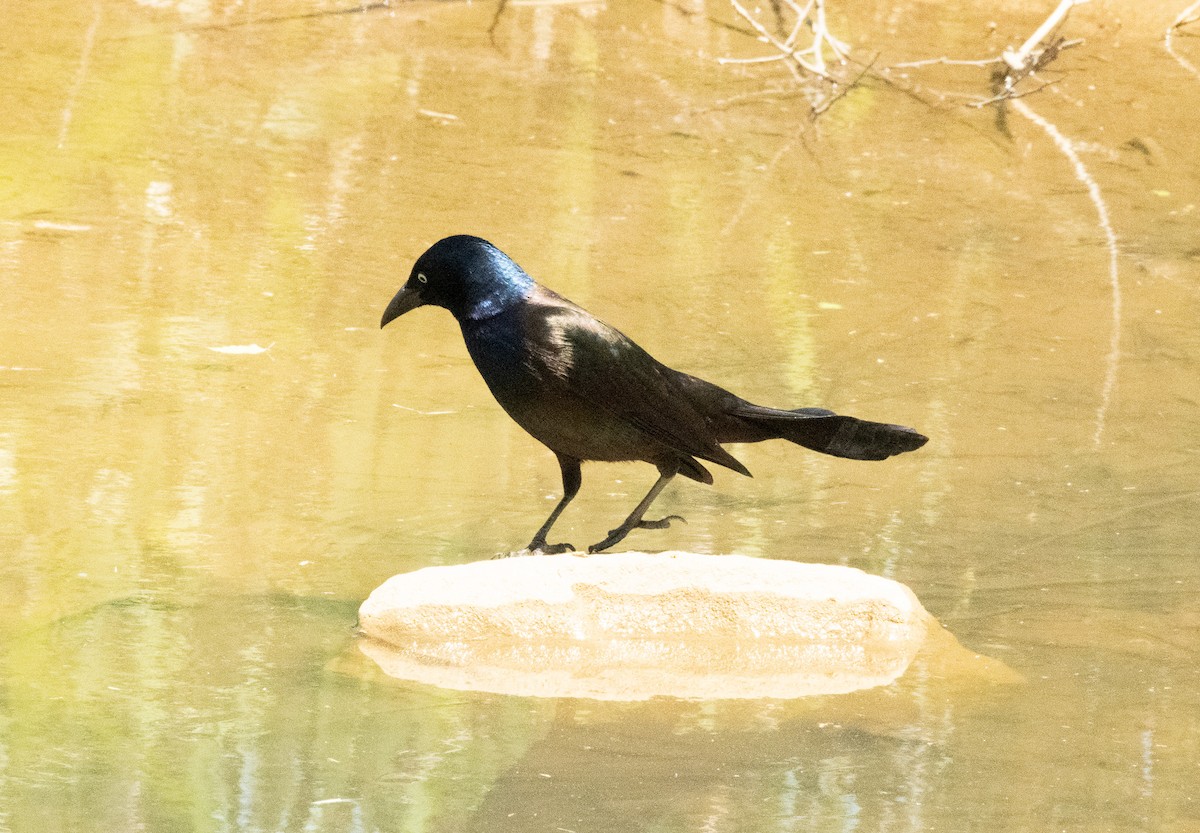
(606,368)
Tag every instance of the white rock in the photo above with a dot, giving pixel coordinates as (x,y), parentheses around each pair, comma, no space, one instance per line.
(628,626)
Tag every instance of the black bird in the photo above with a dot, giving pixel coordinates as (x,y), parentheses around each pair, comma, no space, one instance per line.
(588,392)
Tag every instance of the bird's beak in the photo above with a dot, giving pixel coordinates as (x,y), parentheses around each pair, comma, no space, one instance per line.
(403,301)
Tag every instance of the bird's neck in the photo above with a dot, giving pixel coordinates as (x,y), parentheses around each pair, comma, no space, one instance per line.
(503,290)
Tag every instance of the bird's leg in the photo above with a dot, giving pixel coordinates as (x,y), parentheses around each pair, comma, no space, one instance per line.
(634,521)
(572,478)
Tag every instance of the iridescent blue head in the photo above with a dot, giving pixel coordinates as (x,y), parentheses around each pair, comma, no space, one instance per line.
(466,275)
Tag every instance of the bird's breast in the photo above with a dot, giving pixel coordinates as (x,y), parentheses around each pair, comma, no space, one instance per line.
(530,378)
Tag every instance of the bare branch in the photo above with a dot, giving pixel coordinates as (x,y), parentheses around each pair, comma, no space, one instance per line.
(1021,60)
(361,8)
(829,102)
(763,59)
(801,59)
(1014,65)
(500,7)
(1010,95)
(1185,17)
(982,62)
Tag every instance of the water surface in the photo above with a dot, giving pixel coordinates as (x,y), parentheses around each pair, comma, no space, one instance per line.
(186,531)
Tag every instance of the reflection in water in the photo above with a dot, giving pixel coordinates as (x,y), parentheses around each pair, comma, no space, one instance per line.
(85,57)
(1112,362)
(174,521)
(8,469)
(243,705)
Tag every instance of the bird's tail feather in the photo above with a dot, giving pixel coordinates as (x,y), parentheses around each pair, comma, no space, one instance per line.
(830,433)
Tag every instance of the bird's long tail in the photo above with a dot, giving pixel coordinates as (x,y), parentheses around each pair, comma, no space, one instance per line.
(830,433)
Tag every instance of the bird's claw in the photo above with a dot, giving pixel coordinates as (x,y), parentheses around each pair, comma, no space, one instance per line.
(540,548)
(615,536)
(661,523)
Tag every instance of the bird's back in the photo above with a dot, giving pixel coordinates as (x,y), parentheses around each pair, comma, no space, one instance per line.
(586,390)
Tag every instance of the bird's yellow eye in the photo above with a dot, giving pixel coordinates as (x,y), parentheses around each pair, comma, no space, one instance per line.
(422,278)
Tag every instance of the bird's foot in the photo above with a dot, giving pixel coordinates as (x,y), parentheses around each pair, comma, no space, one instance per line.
(616,536)
(548,549)
(661,523)
(537,547)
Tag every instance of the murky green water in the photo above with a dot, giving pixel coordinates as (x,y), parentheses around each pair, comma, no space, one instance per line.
(185,533)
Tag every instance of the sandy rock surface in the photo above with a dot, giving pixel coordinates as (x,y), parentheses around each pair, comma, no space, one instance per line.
(629,626)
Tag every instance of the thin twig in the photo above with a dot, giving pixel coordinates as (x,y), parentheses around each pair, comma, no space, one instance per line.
(1020,59)
(919,95)
(1184,18)
(762,59)
(801,16)
(287,18)
(957,62)
(771,93)
(821,33)
(787,48)
(500,7)
(1019,63)
(1009,95)
(713,21)
(829,102)
(1187,16)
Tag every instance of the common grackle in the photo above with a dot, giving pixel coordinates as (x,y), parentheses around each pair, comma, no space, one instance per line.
(588,392)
